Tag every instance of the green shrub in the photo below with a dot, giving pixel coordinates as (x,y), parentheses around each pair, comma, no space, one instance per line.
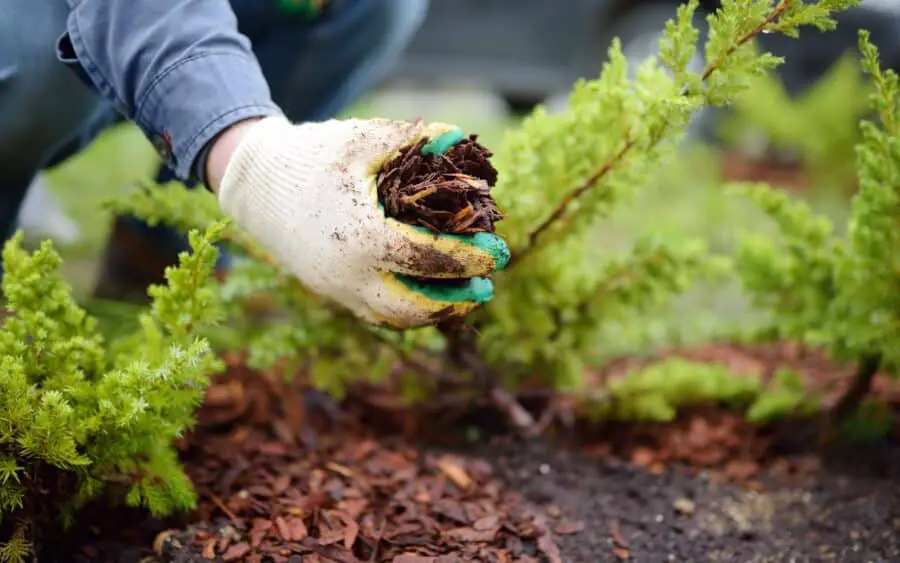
(83,416)
(838,292)
(820,125)
(551,310)
(560,175)
(657,391)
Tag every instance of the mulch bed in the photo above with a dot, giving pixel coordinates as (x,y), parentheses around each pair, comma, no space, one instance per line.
(341,495)
(283,478)
(778,172)
(737,168)
(448,193)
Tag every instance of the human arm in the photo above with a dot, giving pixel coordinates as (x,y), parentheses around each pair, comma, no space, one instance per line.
(181,71)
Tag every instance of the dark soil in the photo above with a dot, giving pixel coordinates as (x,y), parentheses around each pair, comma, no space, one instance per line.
(284,480)
(610,510)
(448,193)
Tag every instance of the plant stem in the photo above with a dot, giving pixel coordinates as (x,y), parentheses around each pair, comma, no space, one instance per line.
(616,159)
(858,389)
(568,200)
(770,19)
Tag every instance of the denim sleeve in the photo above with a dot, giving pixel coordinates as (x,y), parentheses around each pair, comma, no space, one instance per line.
(179,69)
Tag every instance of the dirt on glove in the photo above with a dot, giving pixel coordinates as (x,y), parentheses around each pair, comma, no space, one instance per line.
(447,194)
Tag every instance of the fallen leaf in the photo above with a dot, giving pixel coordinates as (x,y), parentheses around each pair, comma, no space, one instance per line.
(281,484)
(296,529)
(548,547)
(486,523)
(616,533)
(567,527)
(471,535)
(276,449)
(235,552)
(643,457)
(456,473)
(350,532)
(282,527)
(339,469)
(209,549)
(741,470)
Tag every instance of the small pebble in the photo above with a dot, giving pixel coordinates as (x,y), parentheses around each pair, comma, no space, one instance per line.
(684,506)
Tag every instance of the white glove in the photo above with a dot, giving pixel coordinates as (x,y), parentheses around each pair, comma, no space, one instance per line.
(307,193)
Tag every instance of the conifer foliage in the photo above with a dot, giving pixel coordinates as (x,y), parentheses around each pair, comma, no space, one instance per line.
(819,127)
(82,416)
(839,292)
(560,175)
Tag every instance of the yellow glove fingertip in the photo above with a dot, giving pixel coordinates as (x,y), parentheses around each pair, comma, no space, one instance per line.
(472,260)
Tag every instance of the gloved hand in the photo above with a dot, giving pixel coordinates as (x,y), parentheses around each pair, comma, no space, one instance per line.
(307,194)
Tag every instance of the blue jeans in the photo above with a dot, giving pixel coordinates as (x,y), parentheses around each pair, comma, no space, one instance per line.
(315,70)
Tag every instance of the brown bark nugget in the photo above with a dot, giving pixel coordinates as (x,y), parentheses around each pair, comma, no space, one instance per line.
(447,194)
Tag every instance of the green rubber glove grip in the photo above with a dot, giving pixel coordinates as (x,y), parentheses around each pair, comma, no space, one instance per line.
(443,142)
(477,290)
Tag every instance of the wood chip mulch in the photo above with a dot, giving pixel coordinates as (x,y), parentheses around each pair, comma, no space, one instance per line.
(721,443)
(449,193)
(274,493)
(285,476)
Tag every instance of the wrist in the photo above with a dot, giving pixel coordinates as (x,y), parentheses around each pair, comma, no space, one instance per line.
(222,148)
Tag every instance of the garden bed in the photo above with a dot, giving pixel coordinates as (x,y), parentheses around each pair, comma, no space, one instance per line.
(736,167)
(282,476)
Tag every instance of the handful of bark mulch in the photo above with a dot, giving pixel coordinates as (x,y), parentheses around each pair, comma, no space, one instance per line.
(267,494)
(448,193)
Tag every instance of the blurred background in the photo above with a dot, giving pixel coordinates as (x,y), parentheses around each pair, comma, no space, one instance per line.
(483,64)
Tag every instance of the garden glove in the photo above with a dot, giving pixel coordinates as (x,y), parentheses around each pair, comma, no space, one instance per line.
(307,193)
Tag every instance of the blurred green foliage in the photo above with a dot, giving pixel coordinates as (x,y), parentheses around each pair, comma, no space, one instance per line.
(836,291)
(820,126)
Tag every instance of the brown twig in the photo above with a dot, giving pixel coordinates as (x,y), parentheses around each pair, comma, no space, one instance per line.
(770,19)
(221,505)
(610,164)
(502,399)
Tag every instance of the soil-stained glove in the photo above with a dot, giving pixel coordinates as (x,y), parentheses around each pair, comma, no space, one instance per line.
(307,194)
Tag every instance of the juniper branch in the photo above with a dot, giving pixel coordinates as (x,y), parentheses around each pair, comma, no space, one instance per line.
(594,179)
(776,13)
(569,199)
